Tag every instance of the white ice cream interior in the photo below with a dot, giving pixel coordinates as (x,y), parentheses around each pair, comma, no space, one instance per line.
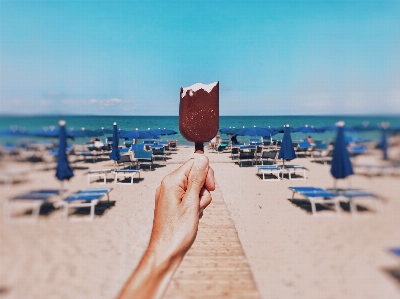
(197,86)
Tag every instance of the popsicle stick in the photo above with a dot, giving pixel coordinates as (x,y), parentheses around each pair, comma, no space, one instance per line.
(199,148)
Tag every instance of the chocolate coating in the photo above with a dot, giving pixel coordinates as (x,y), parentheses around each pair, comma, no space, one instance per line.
(199,114)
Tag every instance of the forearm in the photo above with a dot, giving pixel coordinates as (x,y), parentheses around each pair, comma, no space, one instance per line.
(151,278)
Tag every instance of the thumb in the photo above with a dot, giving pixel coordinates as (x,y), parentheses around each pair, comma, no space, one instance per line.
(196,179)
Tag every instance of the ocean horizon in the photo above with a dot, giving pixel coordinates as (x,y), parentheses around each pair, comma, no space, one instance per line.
(94,122)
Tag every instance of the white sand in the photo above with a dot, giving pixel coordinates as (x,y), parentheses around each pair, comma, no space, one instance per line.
(290,252)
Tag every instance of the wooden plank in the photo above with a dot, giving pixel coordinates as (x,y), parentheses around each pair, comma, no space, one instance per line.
(215,266)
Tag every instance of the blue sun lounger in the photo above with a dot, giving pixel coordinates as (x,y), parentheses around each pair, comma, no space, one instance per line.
(318,195)
(396,251)
(31,200)
(84,198)
(350,195)
(130,172)
(270,169)
(292,169)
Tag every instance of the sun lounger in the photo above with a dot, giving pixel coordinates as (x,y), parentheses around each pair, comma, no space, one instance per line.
(101,173)
(234,152)
(158,151)
(318,195)
(374,170)
(31,200)
(270,169)
(84,198)
(127,172)
(351,195)
(246,156)
(304,148)
(266,155)
(11,176)
(292,169)
(144,156)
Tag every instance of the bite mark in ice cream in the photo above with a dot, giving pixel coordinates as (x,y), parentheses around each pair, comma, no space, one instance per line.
(199,112)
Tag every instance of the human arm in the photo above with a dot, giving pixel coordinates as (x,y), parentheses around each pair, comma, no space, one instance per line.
(179,202)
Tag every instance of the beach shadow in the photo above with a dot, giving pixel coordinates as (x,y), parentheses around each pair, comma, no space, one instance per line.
(293,175)
(346,207)
(322,162)
(393,273)
(268,176)
(99,210)
(148,167)
(79,167)
(306,206)
(45,210)
(245,164)
(127,180)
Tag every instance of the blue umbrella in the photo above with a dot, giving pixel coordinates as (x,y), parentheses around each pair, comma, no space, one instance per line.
(50,132)
(305,129)
(286,151)
(334,128)
(137,134)
(255,131)
(63,171)
(341,164)
(114,155)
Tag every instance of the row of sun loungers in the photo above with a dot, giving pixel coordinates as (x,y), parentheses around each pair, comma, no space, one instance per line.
(277,171)
(34,200)
(335,197)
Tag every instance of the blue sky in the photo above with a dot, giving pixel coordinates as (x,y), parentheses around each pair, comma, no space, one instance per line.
(132,57)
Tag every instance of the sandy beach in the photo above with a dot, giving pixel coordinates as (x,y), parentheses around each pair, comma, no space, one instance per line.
(272,247)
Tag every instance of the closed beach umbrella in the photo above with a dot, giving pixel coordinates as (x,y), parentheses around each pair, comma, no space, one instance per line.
(384,143)
(115,155)
(341,164)
(63,170)
(286,151)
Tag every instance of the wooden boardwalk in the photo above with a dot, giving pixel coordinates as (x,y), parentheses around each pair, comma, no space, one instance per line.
(215,266)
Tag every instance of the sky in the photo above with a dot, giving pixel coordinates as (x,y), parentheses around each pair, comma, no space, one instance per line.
(132,57)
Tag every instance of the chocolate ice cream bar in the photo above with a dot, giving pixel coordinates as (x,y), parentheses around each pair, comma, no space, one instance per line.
(199,113)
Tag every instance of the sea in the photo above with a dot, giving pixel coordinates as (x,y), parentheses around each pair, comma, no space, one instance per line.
(91,122)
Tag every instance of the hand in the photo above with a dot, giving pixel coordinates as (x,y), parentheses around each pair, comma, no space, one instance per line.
(180,200)
(179,203)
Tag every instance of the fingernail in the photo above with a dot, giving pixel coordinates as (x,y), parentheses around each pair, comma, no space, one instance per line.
(202,162)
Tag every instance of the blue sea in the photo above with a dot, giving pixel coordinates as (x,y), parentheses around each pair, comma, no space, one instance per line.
(171,122)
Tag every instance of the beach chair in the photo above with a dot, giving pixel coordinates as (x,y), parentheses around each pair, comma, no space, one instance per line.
(144,157)
(221,147)
(304,148)
(125,172)
(246,156)
(267,155)
(235,153)
(100,173)
(318,196)
(357,150)
(270,169)
(324,157)
(350,196)
(83,198)
(31,200)
(158,151)
(292,169)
